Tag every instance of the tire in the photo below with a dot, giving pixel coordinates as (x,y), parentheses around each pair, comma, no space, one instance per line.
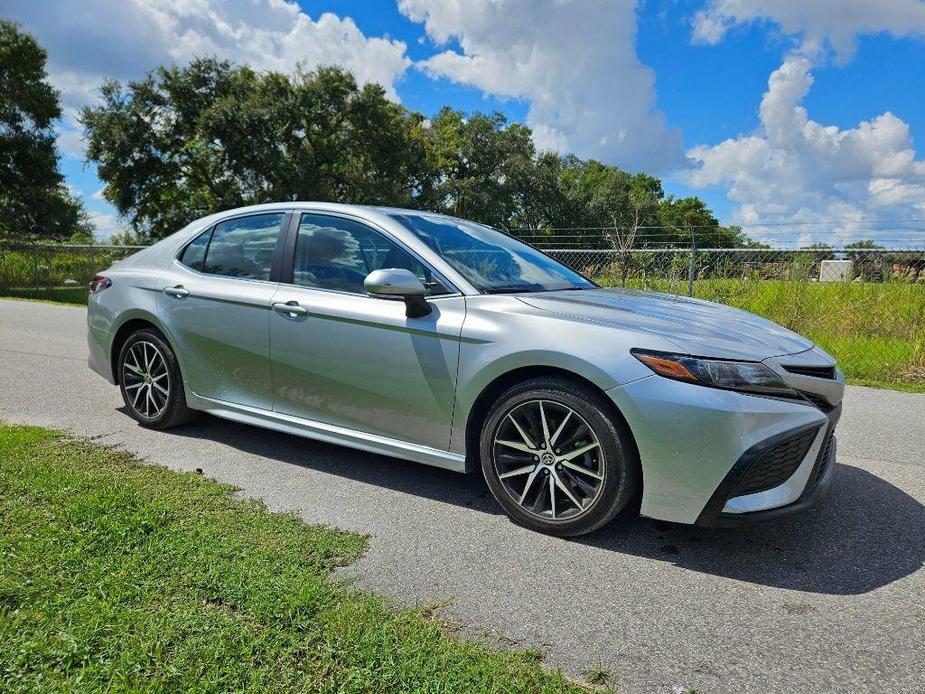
(586,478)
(150,381)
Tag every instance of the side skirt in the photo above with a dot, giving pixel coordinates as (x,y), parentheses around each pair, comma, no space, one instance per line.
(329,433)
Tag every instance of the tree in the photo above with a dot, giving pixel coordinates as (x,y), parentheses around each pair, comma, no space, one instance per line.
(540,203)
(822,251)
(689,221)
(34,202)
(863,244)
(479,162)
(868,266)
(188,141)
(191,140)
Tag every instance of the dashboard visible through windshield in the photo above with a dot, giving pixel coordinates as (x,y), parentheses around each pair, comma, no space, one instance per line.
(493,262)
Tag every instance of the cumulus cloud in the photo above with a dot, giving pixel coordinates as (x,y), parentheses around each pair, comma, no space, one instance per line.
(90,40)
(105,225)
(793,168)
(573,61)
(94,39)
(837,22)
(126,38)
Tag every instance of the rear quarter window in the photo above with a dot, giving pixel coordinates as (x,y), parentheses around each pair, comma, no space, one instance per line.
(195,252)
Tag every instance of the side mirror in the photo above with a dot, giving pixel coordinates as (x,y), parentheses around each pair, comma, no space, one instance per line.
(396,283)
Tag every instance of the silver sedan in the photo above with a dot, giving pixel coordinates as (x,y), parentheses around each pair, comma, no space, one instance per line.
(445,342)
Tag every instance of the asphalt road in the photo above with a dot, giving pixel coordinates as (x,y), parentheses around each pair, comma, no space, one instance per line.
(830,601)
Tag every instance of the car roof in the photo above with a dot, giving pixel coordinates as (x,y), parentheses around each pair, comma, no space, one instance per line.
(333,206)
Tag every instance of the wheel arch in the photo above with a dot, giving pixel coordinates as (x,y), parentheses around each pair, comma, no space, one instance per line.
(131,324)
(478,412)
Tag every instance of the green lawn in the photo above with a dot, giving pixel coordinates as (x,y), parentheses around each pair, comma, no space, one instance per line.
(119,576)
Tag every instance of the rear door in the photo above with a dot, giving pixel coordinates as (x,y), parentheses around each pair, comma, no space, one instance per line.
(351,360)
(216,308)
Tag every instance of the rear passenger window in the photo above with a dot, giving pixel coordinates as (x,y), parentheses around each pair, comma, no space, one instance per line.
(195,252)
(243,247)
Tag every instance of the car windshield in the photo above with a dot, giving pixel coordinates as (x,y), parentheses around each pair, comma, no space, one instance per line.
(493,262)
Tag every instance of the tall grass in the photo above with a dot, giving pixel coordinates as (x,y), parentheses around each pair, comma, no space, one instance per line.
(876,330)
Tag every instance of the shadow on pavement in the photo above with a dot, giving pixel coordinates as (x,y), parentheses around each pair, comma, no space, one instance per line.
(865,534)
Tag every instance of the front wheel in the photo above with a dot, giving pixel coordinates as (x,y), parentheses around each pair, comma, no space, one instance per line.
(556,459)
(150,381)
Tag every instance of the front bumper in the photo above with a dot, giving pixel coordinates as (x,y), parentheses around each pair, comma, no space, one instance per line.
(811,487)
(696,445)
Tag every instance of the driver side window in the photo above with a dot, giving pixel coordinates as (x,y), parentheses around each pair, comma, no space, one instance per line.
(337,253)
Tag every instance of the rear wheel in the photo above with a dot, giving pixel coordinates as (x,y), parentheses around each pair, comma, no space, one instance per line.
(150,381)
(555,458)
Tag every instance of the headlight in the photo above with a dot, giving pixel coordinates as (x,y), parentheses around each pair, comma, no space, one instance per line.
(747,376)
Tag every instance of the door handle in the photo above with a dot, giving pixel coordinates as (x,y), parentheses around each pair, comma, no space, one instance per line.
(290,308)
(178,291)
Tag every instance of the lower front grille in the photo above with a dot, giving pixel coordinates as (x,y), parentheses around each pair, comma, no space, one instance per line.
(825,458)
(776,465)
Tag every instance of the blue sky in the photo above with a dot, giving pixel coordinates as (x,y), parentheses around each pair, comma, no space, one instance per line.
(674,88)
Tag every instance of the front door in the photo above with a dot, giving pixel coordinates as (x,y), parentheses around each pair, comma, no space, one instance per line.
(348,359)
(216,306)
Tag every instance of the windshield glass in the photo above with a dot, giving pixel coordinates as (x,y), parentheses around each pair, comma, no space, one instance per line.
(493,262)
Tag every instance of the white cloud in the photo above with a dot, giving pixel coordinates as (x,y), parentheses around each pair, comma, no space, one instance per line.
(105,225)
(794,169)
(836,21)
(94,39)
(90,40)
(574,61)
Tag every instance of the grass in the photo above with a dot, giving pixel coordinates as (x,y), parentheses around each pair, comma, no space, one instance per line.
(875,330)
(76,296)
(119,576)
(598,676)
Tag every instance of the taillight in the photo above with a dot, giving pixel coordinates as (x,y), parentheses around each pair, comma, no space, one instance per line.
(99,283)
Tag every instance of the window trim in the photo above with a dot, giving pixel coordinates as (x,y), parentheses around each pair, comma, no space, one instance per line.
(292,233)
(276,264)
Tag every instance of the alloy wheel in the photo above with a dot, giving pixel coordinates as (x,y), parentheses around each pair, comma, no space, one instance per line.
(549,460)
(146,379)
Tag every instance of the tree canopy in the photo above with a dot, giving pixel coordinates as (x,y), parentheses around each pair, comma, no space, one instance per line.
(34,201)
(187,141)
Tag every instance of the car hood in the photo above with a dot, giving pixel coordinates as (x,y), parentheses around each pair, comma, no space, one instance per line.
(698,327)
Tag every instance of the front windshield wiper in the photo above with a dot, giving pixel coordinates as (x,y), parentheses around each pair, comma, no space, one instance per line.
(512,289)
(518,289)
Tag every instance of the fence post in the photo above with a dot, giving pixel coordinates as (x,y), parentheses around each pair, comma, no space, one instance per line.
(692,269)
(35,271)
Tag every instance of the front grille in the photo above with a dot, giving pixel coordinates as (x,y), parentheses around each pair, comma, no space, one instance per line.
(776,465)
(814,371)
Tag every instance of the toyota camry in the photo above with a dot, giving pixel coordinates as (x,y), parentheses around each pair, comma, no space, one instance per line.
(442,341)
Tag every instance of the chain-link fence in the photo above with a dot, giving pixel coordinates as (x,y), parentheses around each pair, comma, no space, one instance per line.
(679,270)
(54,272)
(865,306)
